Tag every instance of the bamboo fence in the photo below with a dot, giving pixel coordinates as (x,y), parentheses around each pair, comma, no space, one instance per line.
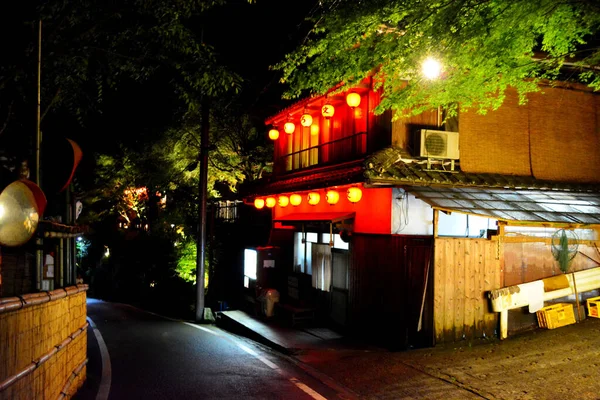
(44,344)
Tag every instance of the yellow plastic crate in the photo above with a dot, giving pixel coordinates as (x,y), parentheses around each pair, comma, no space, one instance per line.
(556,315)
(593,305)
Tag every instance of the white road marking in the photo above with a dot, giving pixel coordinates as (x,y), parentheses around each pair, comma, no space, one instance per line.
(261,358)
(201,328)
(105,381)
(307,390)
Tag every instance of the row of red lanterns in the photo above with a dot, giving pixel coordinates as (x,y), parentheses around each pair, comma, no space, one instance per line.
(354,194)
(306,120)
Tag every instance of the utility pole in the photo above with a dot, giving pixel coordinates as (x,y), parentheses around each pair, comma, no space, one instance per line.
(203,189)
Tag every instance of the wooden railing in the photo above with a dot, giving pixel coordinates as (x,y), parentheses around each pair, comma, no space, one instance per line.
(340,150)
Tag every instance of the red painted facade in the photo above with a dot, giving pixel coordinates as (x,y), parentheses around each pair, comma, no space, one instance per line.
(373,211)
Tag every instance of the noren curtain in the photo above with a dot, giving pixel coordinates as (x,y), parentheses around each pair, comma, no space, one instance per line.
(321,266)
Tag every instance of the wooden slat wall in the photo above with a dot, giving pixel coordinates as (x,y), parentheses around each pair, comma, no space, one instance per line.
(387,277)
(464,269)
(404,129)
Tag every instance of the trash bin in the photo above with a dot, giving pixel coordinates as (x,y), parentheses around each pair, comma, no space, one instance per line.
(271,297)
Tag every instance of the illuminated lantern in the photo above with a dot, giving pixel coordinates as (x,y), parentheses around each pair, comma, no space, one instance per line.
(259,203)
(314,198)
(314,130)
(327,111)
(295,199)
(270,202)
(354,194)
(306,120)
(353,99)
(283,201)
(332,197)
(273,134)
(289,127)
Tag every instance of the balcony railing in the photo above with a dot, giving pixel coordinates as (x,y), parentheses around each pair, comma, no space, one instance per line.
(336,151)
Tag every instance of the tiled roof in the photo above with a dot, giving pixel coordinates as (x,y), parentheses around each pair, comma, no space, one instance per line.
(503,197)
(394,167)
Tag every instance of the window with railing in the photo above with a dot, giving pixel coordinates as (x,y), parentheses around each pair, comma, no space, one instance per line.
(227,211)
(340,138)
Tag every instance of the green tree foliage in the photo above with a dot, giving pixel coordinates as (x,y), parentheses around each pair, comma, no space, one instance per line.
(484,46)
(186,261)
(170,166)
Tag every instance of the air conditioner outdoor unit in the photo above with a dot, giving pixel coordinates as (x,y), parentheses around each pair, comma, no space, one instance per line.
(439,144)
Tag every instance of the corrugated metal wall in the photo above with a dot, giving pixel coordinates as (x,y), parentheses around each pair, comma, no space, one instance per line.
(464,270)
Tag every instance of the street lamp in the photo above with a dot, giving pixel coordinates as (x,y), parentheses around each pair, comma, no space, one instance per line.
(431,68)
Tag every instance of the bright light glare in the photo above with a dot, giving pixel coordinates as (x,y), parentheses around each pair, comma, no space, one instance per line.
(250,261)
(431,68)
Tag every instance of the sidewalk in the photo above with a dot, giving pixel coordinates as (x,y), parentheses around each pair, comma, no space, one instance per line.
(543,364)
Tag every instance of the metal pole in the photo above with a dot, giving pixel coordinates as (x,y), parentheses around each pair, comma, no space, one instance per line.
(38,132)
(39,253)
(203,189)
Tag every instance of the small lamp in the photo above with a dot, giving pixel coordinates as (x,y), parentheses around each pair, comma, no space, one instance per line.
(283,201)
(314,198)
(259,203)
(332,197)
(289,127)
(354,194)
(295,199)
(353,99)
(270,202)
(273,134)
(306,119)
(327,110)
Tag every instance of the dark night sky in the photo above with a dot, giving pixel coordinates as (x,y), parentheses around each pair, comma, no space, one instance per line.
(248,38)
(251,37)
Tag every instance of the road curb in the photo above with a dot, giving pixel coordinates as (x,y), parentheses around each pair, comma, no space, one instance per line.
(231,325)
(105,380)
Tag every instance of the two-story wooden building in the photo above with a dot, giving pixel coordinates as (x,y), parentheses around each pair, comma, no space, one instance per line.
(402,227)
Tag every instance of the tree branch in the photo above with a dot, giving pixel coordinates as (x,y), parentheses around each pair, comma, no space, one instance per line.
(8,115)
(52,102)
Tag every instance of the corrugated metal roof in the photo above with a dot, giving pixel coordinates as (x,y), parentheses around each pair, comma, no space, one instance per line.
(515,205)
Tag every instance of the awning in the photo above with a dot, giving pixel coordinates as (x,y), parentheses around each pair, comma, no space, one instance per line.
(514,205)
(51,229)
(324,217)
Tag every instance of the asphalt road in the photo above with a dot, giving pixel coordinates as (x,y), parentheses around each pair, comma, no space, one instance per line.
(151,357)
